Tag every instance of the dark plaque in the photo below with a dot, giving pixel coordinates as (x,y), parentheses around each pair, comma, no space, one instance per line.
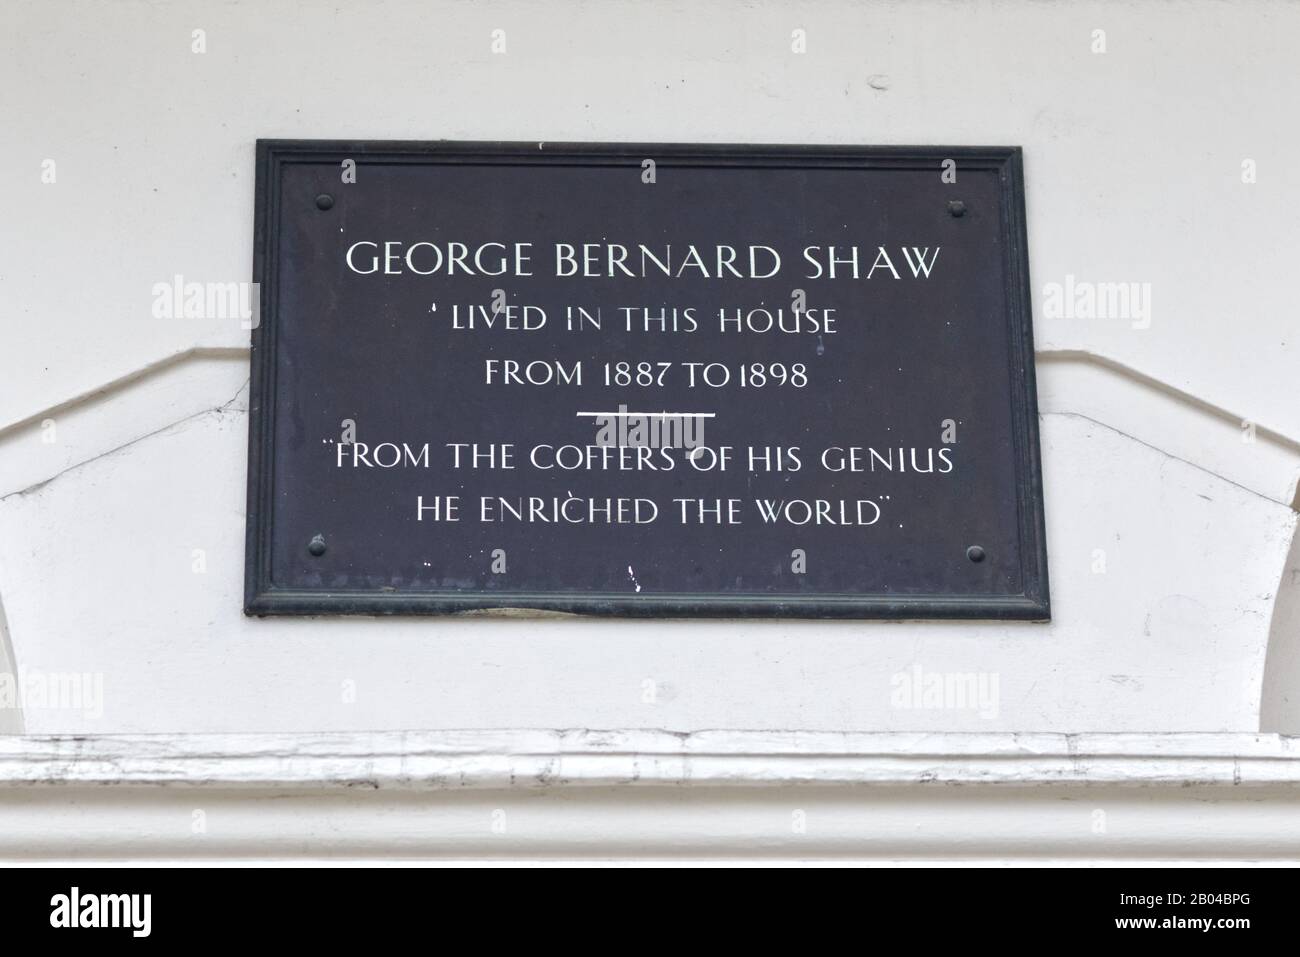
(643,380)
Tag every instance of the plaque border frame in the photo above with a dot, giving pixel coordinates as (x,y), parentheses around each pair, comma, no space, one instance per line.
(261,599)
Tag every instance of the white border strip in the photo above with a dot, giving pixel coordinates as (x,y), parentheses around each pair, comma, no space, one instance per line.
(530,759)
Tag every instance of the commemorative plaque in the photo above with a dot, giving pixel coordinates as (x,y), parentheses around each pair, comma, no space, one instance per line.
(725,381)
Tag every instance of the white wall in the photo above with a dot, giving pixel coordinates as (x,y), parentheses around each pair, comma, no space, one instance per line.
(1134,161)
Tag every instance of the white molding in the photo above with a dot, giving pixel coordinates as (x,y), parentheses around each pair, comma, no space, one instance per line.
(526,759)
(592,796)
(1177,423)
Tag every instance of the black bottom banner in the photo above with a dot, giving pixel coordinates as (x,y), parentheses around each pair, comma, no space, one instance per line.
(364,905)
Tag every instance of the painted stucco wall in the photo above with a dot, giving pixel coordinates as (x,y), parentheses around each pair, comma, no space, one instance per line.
(1169,439)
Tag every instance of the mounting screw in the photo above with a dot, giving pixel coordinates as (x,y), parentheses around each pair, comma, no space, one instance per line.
(324,201)
(956,207)
(317,546)
(974,553)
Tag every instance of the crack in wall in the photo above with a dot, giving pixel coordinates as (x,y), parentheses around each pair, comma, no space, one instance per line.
(217,410)
(1170,455)
(11,718)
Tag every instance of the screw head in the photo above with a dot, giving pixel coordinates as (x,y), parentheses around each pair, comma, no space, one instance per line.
(956,207)
(324,201)
(975,554)
(317,546)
